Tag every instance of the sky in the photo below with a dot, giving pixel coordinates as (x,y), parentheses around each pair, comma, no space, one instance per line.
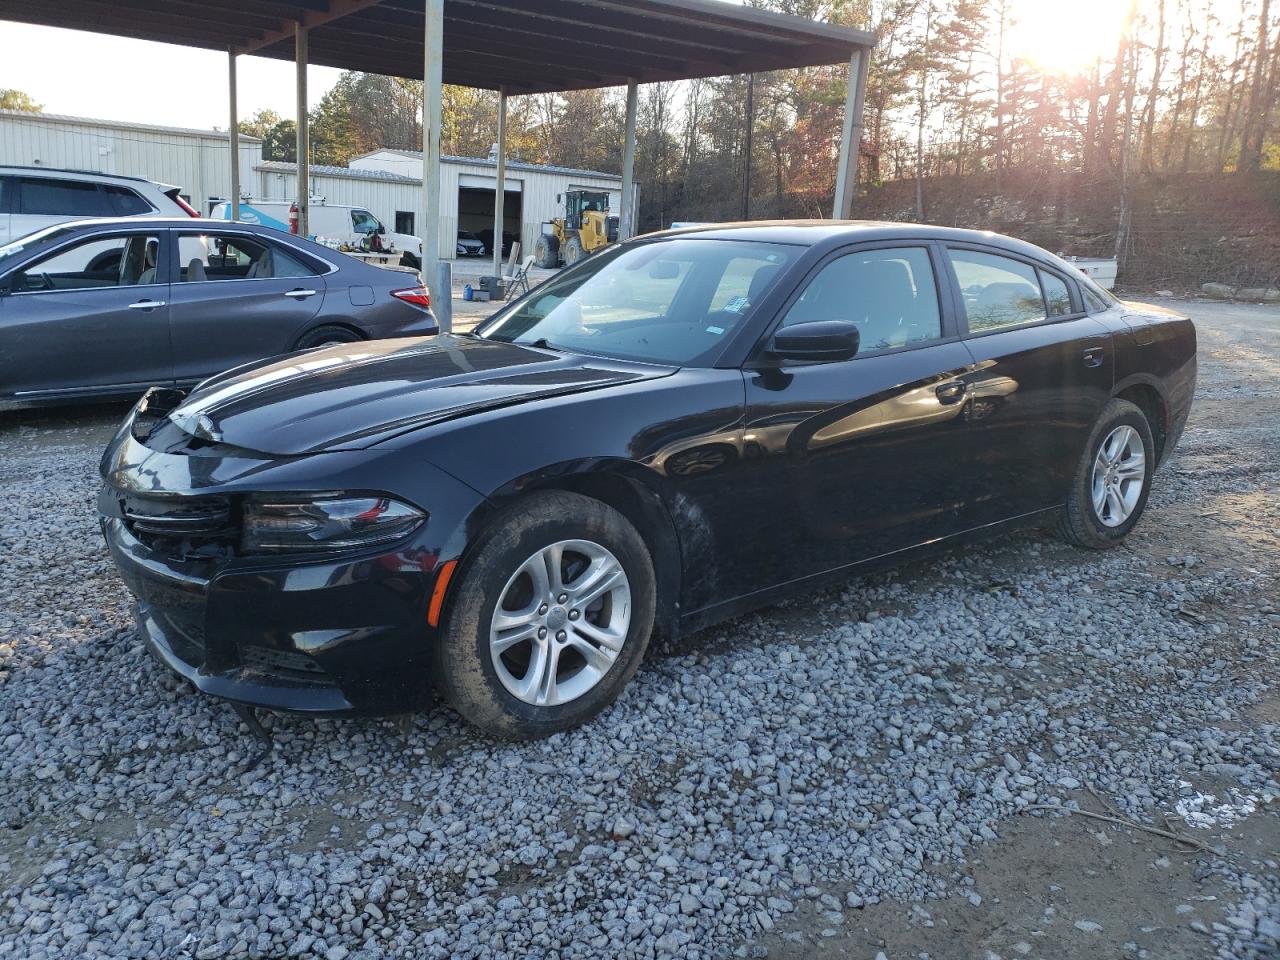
(144,82)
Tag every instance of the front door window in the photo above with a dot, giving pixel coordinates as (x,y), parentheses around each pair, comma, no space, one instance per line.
(890,294)
(126,261)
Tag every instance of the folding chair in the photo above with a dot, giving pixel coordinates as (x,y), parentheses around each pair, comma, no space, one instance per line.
(518,282)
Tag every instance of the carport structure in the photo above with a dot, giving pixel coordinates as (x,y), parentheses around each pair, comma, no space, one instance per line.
(511,46)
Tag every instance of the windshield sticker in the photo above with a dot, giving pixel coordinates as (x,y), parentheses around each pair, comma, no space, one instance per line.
(716,330)
(736,304)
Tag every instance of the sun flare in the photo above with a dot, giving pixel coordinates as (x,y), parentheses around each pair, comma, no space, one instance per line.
(1065,38)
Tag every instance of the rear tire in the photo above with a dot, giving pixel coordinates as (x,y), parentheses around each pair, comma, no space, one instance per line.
(546,251)
(478,668)
(326,337)
(409,260)
(1111,483)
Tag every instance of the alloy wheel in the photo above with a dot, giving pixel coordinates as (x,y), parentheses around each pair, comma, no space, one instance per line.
(1119,473)
(560,622)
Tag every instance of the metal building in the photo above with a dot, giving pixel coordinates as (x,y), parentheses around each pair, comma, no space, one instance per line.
(386,182)
(389,184)
(195,160)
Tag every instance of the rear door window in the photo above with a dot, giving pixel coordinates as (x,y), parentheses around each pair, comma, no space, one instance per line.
(208,257)
(1057,297)
(127,261)
(890,294)
(998,291)
(47,196)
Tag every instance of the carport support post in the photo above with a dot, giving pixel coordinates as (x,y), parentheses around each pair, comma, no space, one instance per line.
(500,191)
(304,161)
(851,136)
(233,130)
(626,222)
(433,270)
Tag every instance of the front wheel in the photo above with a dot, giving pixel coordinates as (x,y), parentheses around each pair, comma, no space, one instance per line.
(550,620)
(573,251)
(1112,481)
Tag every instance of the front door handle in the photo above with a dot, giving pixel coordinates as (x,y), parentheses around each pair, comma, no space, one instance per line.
(300,294)
(1093,356)
(146,305)
(951,392)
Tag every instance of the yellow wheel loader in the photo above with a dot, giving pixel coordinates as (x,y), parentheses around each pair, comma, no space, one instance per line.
(585,228)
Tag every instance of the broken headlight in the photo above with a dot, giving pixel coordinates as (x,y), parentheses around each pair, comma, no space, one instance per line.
(280,524)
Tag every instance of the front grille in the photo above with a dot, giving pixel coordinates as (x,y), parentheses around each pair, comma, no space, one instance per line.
(183,527)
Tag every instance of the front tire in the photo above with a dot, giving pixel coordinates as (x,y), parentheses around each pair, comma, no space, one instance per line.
(1112,481)
(550,619)
(573,251)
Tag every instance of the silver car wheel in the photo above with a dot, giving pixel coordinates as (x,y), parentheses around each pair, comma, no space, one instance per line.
(560,622)
(1119,474)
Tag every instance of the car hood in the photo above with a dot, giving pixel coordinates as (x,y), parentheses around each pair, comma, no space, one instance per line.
(354,395)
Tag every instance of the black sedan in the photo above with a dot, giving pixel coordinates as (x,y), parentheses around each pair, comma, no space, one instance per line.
(107,308)
(675,431)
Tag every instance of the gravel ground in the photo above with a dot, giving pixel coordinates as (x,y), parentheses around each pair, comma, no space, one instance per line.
(861,773)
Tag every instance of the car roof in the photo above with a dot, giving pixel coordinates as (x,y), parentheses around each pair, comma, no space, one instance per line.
(201,224)
(812,232)
(62,171)
(139,223)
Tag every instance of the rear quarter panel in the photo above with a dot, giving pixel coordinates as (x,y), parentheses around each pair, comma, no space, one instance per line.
(1156,346)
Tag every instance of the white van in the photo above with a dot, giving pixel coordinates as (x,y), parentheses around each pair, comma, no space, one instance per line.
(348,225)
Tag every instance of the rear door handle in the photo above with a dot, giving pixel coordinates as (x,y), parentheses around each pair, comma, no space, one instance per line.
(146,305)
(1093,356)
(300,294)
(951,392)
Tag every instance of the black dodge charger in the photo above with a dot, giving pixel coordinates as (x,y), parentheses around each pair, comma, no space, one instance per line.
(675,431)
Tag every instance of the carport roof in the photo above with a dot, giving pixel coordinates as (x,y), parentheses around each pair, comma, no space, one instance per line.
(528,46)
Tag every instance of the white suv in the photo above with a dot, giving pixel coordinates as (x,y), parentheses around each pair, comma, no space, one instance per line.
(32,198)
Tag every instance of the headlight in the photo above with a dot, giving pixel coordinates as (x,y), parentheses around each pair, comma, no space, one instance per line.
(327,522)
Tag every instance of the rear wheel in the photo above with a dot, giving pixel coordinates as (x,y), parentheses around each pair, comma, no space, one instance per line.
(326,337)
(409,260)
(546,251)
(550,620)
(1112,481)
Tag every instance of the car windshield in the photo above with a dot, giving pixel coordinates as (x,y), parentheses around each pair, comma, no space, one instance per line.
(32,241)
(676,301)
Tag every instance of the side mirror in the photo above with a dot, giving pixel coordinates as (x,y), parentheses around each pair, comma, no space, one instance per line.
(818,340)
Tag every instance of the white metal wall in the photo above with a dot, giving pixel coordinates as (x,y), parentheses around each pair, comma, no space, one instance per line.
(196,162)
(384,197)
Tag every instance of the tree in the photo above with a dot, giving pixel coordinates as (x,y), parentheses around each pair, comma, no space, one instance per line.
(11,99)
(279,137)
(1259,109)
